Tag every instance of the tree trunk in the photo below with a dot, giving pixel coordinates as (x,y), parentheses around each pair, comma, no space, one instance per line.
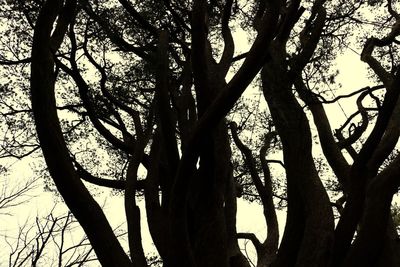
(308,235)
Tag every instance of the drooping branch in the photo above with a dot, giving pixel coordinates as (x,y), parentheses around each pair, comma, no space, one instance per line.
(88,177)
(114,184)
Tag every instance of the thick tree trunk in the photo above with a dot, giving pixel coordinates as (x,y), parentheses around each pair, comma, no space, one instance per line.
(390,256)
(76,196)
(375,223)
(208,223)
(308,235)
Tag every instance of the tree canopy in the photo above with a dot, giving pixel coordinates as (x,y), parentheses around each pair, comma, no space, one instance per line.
(149,98)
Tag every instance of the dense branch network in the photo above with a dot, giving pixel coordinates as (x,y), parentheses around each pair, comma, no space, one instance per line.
(149,99)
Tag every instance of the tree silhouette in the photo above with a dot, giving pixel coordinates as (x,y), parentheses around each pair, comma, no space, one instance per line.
(153,88)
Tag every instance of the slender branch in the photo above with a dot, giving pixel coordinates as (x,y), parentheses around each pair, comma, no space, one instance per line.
(7,62)
(334,100)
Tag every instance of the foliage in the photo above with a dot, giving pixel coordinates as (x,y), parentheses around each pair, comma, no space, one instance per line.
(147,98)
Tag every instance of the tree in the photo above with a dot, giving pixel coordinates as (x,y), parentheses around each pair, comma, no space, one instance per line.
(11,197)
(144,85)
(48,242)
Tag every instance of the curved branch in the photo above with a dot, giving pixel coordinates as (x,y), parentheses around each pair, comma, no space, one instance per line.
(88,177)
(371,43)
(353,210)
(360,129)
(388,142)
(84,94)
(133,113)
(334,100)
(250,162)
(270,245)
(252,237)
(375,65)
(76,196)
(372,142)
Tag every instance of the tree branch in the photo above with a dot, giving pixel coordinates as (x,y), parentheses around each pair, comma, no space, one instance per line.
(55,151)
